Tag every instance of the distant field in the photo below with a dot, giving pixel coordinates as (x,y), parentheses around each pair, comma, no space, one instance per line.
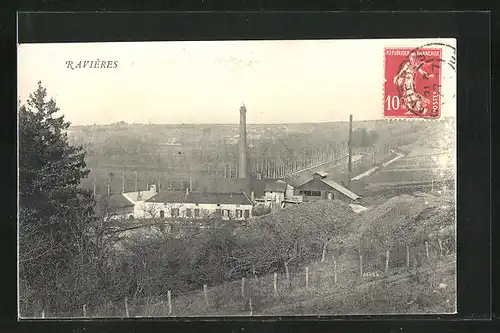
(124,149)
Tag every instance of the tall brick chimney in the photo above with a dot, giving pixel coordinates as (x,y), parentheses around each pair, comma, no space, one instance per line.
(242,146)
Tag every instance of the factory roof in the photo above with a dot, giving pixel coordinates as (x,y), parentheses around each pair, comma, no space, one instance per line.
(341,189)
(234,185)
(298,180)
(139,195)
(320,174)
(201,198)
(276,186)
(113,201)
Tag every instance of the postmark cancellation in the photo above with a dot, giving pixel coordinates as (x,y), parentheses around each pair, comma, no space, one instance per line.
(416,81)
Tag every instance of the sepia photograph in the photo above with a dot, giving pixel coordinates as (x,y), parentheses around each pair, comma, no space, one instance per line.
(237,178)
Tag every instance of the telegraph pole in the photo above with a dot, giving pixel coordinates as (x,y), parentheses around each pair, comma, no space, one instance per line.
(109,183)
(159,182)
(190,179)
(147,176)
(349,167)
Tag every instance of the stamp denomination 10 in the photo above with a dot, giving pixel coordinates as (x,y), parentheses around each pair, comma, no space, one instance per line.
(412,87)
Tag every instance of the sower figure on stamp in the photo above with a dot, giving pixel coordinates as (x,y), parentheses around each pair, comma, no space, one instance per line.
(405,80)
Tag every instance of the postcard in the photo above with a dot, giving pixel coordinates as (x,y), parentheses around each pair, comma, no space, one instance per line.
(237,178)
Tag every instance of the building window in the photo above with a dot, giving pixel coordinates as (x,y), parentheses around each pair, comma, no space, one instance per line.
(247,213)
(174,212)
(197,212)
(311,193)
(225,212)
(218,205)
(162,214)
(239,213)
(189,213)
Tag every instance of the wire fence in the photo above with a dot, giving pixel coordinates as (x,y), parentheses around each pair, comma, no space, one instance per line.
(251,294)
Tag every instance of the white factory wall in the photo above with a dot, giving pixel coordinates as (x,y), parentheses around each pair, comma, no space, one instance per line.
(152,210)
(277,197)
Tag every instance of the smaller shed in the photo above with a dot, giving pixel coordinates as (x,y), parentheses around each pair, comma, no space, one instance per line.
(278,186)
(322,188)
(277,192)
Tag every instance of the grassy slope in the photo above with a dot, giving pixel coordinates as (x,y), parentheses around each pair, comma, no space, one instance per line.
(401,291)
(404,292)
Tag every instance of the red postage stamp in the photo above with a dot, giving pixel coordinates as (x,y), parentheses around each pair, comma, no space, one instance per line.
(412,87)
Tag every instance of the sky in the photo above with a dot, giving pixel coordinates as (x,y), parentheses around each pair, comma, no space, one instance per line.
(206,82)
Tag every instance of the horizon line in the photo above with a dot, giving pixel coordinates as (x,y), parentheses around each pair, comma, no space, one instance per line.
(237,123)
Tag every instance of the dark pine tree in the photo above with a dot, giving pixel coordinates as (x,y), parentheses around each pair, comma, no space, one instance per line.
(54,211)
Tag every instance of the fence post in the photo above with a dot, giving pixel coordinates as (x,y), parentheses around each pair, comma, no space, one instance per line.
(323,254)
(110,307)
(205,292)
(43,313)
(360,265)
(275,284)
(250,305)
(126,308)
(169,297)
(440,247)
(84,311)
(242,287)
(335,270)
(407,256)
(287,275)
(386,261)
(427,250)
(307,277)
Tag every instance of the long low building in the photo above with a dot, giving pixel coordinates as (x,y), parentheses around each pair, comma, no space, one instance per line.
(198,205)
(151,204)
(275,193)
(229,199)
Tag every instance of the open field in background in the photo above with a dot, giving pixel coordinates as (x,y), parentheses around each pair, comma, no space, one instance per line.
(414,169)
(200,153)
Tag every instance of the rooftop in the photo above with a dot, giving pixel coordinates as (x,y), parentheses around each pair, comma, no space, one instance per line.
(276,186)
(233,185)
(112,202)
(201,198)
(320,174)
(351,195)
(139,195)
